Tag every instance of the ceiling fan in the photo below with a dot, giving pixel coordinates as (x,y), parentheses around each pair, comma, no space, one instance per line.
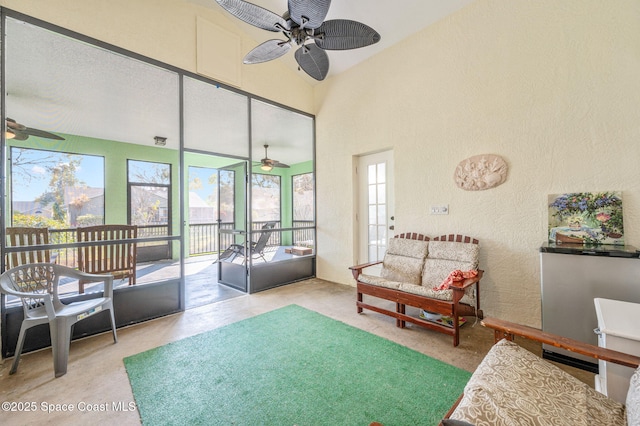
(303,24)
(20,132)
(267,163)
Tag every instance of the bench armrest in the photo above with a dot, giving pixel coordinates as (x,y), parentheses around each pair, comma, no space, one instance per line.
(507,330)
(357,269)
(467,282)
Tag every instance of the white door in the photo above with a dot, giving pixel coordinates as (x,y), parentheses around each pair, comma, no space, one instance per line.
(376,209)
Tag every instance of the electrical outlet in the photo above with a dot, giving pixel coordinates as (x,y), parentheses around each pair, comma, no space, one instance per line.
(442,209)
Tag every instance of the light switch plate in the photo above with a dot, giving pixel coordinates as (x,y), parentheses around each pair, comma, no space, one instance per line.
(441,209)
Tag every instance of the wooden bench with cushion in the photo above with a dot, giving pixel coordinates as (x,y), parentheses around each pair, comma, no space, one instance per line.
(413,265)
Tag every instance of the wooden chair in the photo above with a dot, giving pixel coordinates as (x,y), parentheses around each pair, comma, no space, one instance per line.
(24,236)
(117,258)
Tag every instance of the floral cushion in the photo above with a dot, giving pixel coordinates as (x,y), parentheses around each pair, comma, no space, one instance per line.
(463,252)
(408,248)
(633,400)
(446,256)
(379,281)
(468,298)
(403,260)
(512,386)
(400,268)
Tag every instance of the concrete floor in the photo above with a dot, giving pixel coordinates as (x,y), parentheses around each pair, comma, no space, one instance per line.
(96,379)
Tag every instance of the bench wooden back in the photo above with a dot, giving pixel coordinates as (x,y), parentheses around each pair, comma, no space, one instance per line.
(118,259)
(451,237)
(24,236)
(456,238)
(412,236)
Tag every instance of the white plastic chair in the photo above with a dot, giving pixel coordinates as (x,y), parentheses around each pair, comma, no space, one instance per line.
(36,285)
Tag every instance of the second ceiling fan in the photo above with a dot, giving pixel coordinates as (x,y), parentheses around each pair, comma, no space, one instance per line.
(303,24)
(267,163)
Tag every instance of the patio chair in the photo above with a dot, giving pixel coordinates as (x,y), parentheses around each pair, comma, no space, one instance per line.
(256,249)
(36,285)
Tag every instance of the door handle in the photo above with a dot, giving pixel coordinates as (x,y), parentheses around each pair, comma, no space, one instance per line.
(392,227)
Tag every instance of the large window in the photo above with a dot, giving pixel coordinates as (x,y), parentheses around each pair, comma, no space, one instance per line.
(55,189)
(149,199)
(150,206)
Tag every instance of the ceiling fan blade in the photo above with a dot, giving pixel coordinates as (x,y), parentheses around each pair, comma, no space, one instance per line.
(22,132)
(313,60)
(343,34)
(282,165)
(313,11)
(267,51)
(11,123)
(42,134)
(254,15)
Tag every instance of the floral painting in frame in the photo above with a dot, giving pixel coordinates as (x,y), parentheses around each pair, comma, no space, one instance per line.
(586,218)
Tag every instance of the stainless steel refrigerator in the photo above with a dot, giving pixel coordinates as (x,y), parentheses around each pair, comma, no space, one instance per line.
(571,277)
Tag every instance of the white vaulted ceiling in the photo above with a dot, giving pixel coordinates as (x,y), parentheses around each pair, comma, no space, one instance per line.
(394,20)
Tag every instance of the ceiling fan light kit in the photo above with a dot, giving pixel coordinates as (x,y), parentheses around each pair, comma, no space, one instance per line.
(303,24)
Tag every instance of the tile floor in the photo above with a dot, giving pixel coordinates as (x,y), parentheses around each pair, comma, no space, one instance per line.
(96,379)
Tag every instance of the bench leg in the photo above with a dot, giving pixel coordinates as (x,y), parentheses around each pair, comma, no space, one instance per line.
(456,326)
(401,309)
(359,300)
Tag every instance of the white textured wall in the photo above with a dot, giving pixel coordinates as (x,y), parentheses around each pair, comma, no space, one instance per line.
(165,30)
(551,86)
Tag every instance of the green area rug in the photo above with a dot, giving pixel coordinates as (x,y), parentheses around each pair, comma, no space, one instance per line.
(291,366)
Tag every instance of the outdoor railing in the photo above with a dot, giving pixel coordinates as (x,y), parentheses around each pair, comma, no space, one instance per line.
(303,236)
(275,238)
(202,238)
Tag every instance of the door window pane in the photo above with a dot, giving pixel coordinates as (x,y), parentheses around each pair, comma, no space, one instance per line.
(377,193)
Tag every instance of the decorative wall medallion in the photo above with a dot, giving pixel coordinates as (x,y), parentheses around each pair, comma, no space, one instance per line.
(481,172)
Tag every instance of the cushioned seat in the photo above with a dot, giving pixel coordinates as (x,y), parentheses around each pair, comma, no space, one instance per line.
(512,386)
